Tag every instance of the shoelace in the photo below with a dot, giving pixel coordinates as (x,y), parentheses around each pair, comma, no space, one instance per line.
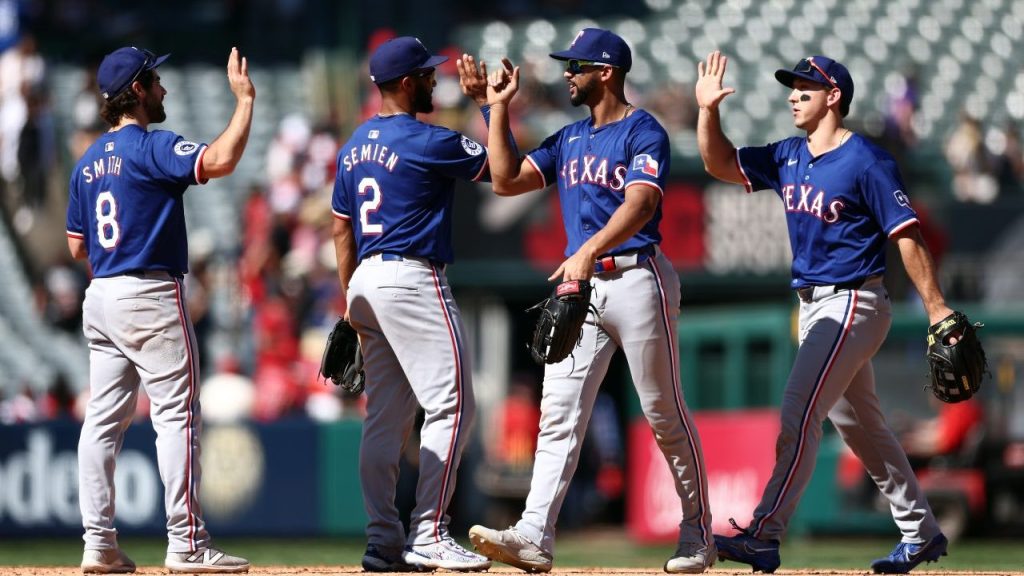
(738,529)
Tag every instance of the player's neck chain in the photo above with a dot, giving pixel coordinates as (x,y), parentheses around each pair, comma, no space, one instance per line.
(845,137)
(392,114)
(629,108)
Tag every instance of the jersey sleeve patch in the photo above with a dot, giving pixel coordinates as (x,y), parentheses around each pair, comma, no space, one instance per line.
(185,147)
(471,147)
(646,164)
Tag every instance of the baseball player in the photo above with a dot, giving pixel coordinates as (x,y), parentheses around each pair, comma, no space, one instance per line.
(392,209)
(126,215)
(610,169)
(843,198)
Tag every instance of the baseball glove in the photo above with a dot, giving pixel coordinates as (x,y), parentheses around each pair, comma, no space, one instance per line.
(956,369)
(343,360)
(561,321)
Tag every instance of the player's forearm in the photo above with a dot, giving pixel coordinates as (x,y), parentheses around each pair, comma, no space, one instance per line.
(627,220)
(224,153)
(504,164)
(717,152)
(921,270)
(345,251)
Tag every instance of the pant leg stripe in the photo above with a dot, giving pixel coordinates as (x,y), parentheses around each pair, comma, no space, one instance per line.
(805,423)
(456,431)
(666,319)
(189,415)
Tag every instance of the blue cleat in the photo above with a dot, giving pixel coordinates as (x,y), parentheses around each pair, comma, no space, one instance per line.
(906,556)
(763,555)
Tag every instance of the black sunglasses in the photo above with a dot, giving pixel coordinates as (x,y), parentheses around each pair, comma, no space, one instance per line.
(807,65)
(425,73)
(576,66)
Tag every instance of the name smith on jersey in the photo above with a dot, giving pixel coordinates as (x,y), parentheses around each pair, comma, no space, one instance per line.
(101,167)
(368,152)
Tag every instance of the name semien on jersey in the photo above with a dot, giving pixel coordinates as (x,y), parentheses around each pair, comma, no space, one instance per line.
(370,152)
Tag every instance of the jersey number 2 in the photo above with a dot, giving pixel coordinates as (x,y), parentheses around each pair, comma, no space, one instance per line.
(370,206)
(107,230)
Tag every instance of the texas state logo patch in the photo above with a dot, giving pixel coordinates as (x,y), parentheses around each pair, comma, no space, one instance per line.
(646,164)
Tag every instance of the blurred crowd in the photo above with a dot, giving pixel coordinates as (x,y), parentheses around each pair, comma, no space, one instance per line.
(279,290)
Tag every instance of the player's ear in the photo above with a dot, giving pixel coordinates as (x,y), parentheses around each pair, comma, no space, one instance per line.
(834,96)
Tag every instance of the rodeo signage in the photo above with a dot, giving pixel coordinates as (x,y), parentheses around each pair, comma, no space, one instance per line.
(242,466)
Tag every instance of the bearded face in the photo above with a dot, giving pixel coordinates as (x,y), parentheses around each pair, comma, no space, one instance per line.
(584,85)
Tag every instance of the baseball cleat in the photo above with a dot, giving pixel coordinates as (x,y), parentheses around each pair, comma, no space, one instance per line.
(384,559)
(446,554)
(205,561)
(109,561)
(510,547)
(691,558)
(762,555)
(906,556)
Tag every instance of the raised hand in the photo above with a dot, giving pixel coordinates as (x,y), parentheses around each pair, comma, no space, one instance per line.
(709,91)
(238,76)
(503,84)
(473,78)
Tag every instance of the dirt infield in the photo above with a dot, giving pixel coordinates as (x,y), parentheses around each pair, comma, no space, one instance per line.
(593,571)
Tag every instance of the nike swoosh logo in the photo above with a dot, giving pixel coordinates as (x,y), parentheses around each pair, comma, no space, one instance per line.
(750,549)
(571,138)
(791,162)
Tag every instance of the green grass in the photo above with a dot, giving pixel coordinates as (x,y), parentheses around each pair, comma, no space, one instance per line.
(605,548)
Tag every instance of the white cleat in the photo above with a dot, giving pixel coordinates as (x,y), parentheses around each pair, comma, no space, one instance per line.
(691,558)
(109,561)
(510,547)
(205,561)
(446,554)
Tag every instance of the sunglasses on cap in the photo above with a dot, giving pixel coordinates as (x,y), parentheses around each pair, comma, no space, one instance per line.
(150,57)
(576,66)
(807,65)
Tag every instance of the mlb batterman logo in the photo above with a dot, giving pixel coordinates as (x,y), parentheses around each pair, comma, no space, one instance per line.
(646,164)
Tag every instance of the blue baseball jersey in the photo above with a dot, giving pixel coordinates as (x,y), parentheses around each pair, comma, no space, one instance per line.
(127,200)
(396,181)
(841,206)
(593,167)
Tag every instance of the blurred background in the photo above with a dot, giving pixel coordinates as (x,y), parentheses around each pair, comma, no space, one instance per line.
(938,83)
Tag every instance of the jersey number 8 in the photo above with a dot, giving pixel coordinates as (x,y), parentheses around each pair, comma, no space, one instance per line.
(370,206)
(107,230)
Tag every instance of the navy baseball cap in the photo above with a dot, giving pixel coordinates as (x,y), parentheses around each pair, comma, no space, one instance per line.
(823,70)
(400,56)
(121,67)
(598,45)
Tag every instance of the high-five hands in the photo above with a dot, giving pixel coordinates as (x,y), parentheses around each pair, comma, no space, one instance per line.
(503,84)
(709,91)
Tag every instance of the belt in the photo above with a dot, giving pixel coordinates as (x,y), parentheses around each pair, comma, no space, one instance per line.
(162,274)
(394,257)
(807,292)
(625,260)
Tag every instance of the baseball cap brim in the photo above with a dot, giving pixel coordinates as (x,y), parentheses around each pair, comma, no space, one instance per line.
(786,77)
(434,61)
(158,61)
(566,55)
